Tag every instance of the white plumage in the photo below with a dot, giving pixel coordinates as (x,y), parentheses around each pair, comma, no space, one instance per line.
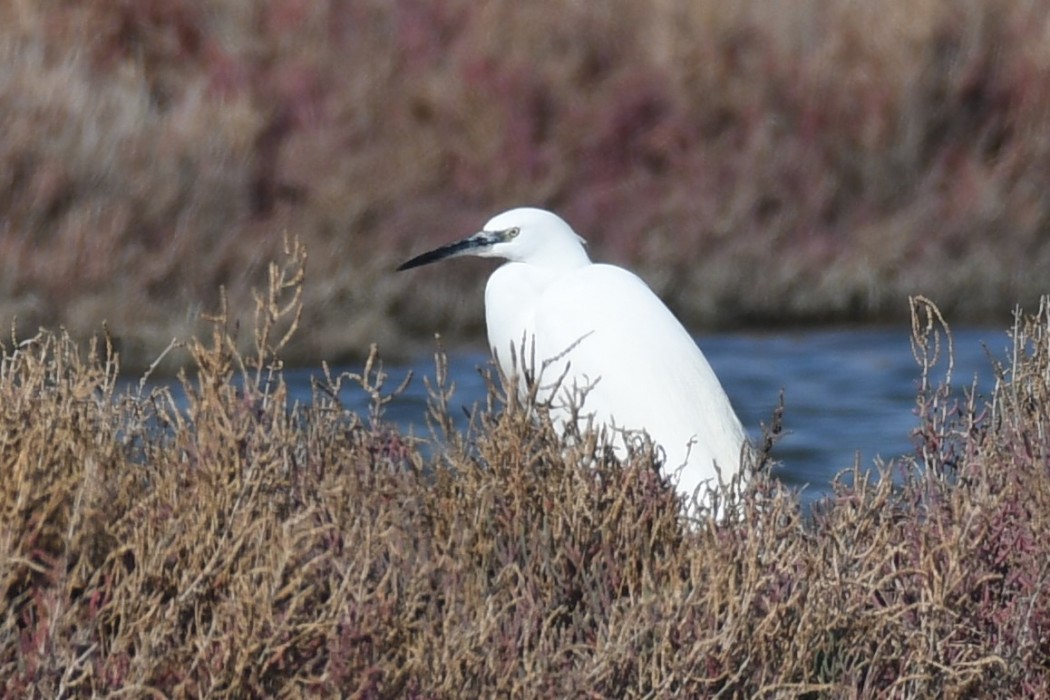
(600,327)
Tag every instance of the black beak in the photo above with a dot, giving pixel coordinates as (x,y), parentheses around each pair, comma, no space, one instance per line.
(478,240)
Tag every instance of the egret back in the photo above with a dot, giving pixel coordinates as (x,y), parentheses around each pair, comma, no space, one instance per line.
(601,327)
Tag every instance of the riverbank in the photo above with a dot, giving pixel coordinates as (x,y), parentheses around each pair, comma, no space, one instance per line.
(757,164)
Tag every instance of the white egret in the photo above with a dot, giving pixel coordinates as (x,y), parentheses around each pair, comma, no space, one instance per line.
(600,329)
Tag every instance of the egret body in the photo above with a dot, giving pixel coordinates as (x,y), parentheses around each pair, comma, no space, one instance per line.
(597,334)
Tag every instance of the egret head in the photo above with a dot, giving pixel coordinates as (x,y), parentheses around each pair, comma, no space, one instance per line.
(526,235)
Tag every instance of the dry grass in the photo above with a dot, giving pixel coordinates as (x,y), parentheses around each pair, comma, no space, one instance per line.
(243,546)
(846,157)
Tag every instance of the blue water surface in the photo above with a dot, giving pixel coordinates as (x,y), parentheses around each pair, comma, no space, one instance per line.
(849,394)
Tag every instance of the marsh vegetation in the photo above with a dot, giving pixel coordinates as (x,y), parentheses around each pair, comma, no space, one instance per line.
(242,546)
(757,163)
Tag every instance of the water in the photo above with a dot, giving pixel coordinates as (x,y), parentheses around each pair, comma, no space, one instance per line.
(848,394)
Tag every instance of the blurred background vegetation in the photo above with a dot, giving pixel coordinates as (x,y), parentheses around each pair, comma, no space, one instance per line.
(757,163)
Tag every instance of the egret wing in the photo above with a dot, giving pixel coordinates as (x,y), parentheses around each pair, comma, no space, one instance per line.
(603,329)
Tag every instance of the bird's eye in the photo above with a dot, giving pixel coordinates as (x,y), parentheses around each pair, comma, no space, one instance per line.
(513,232)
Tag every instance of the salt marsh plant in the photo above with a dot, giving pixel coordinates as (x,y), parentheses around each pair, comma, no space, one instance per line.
(243,545)
(847,154)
